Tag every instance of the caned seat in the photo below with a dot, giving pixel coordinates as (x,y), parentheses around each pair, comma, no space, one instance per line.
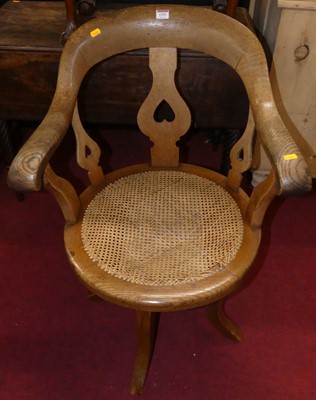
(162,236)
(178,231)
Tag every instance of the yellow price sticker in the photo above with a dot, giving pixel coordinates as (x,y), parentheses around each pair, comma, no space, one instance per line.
(95,32)
(288,157)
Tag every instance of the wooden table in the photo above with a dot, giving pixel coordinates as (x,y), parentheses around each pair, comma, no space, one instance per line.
(30,49)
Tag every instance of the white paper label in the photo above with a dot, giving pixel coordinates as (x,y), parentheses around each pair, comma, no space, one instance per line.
(162,14)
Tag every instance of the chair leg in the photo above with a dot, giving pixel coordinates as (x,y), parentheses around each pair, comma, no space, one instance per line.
(93,297)
(71,23)
(231,7)
(219,318)
(147,327)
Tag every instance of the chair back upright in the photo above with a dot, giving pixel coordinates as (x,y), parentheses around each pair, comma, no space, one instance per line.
(163,30)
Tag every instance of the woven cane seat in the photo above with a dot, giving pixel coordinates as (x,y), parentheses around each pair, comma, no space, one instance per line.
(162,228)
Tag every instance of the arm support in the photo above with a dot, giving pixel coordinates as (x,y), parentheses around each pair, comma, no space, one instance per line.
(290,168)
(27,168)
(26,171)
(291,171)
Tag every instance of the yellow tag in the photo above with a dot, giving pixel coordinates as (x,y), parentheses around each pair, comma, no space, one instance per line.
(95,32)
(292,156)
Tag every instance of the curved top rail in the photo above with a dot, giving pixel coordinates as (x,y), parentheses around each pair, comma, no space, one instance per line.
(189,27)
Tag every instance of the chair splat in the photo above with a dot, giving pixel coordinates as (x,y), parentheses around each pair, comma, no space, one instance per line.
(164,134)
(88,152)
(243,147)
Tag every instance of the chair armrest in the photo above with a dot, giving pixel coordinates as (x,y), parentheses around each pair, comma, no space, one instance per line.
(27,168)
(290,168)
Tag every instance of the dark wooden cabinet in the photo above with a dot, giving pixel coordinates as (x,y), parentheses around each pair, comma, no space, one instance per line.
(30,50)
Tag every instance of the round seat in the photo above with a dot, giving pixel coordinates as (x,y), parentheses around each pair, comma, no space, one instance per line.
(162,228)
(164,237)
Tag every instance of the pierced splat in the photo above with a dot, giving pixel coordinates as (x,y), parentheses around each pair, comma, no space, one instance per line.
(88,152)
(164,99)
(164,112)
(241,155)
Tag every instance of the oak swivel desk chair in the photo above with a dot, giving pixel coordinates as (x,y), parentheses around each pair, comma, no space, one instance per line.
(163,236)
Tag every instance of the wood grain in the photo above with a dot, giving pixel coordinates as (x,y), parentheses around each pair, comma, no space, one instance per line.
(164,134)
(190,28)
(83,51)
(298,4)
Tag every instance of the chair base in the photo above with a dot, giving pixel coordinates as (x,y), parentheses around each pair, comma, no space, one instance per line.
(218,317)
(147,324)
(146,330)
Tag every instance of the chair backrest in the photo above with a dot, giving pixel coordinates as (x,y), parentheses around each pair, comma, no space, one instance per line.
(163,29)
